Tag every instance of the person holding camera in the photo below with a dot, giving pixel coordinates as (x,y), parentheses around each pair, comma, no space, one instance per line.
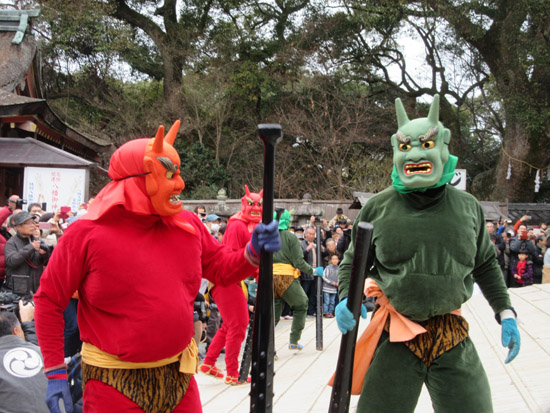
(200,211)
(25,255)
(345,240)
(5,212)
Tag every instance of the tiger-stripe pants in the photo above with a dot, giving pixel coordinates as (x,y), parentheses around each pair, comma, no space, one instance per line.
(456,380)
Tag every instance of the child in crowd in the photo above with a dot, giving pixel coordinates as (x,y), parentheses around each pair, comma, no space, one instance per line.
(330,286)
(523,271)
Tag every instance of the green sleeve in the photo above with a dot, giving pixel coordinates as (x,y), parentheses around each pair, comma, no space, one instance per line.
(291,253)
(344,270)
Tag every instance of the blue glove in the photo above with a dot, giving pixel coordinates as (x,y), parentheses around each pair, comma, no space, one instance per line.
(58,388)
(510,338)
(266,237)
(318,271)
(344,317)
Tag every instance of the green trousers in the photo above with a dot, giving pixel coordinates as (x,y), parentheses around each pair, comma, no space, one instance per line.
(456,381)
(297,300)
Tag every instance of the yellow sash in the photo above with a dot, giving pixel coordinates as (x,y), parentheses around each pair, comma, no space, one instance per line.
(285,269)
(188,358)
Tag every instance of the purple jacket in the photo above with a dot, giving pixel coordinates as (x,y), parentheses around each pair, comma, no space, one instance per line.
(527,276)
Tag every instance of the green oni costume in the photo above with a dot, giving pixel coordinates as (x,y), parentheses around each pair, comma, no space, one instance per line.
(429,246)
(287,265)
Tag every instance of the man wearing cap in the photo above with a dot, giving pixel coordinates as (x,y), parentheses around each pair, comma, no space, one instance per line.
(212,223)
(338,217)
(24,256)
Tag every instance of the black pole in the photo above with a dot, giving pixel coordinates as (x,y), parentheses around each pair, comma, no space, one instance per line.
(261,393)
(319,294)
(341,388)
(247,352)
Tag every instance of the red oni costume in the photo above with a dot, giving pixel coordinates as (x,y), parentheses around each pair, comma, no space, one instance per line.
(230,299)
(136,259)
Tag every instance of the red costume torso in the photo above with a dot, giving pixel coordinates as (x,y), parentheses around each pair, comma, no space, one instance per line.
(132,305)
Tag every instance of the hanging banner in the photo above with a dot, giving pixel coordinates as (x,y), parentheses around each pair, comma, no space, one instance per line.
(459,180)
(56,187)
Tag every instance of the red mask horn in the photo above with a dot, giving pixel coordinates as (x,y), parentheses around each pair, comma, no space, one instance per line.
(159,139)
(172,133)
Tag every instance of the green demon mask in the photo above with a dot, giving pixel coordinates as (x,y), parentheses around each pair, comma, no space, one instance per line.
(284,220)
(421,158)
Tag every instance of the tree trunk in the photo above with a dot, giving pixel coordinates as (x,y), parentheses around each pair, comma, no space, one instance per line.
(516,150)
(173,83)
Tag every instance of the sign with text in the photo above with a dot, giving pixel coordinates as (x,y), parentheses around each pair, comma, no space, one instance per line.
(459,180)
(56,187)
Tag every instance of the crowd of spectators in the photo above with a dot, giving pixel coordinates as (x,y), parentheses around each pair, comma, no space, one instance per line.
(522,251)
(28,236)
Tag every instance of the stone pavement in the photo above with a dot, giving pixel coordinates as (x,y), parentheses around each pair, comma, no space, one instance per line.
(301,377)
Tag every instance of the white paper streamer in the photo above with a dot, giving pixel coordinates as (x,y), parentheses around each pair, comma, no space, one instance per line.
(537,181)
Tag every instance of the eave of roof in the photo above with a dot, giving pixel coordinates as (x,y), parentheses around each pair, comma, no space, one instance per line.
(17,152)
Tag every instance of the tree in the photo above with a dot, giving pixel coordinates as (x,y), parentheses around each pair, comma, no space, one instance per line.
(507,42)
(333,136)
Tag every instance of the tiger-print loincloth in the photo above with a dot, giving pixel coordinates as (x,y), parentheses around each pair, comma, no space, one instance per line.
(443,332)
(158,389)
(281,284)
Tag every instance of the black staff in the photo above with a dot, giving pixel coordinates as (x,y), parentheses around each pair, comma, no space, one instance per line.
(319,294)
(341,388)
(261,393)
(247,352)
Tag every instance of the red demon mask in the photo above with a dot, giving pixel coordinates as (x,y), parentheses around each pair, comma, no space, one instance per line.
(146,180)
(251,208)
(162,165)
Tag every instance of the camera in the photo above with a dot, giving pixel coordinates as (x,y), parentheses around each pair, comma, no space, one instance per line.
(317,219)
(523,235)
(9,301)
(46,247)
(20,202)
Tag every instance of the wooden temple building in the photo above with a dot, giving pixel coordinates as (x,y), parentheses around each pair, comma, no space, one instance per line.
(39,153)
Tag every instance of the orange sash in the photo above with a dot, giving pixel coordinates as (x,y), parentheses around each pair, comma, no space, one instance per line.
(401,329)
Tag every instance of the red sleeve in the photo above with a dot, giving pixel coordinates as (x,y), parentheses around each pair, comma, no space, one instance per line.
(58,283)
(221,264)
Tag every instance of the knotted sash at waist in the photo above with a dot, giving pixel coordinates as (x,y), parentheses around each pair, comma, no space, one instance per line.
(401,329)
(188,359)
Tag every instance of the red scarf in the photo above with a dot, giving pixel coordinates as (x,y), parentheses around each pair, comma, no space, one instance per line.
(127,187)
(521,270)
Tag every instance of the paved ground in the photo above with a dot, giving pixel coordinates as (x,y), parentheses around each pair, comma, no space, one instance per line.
(301,377)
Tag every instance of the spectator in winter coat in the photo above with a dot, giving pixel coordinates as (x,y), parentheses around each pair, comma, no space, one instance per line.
(523,271)
(25,255)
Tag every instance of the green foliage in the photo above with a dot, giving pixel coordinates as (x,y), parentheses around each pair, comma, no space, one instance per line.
(203,177)
(325,71)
